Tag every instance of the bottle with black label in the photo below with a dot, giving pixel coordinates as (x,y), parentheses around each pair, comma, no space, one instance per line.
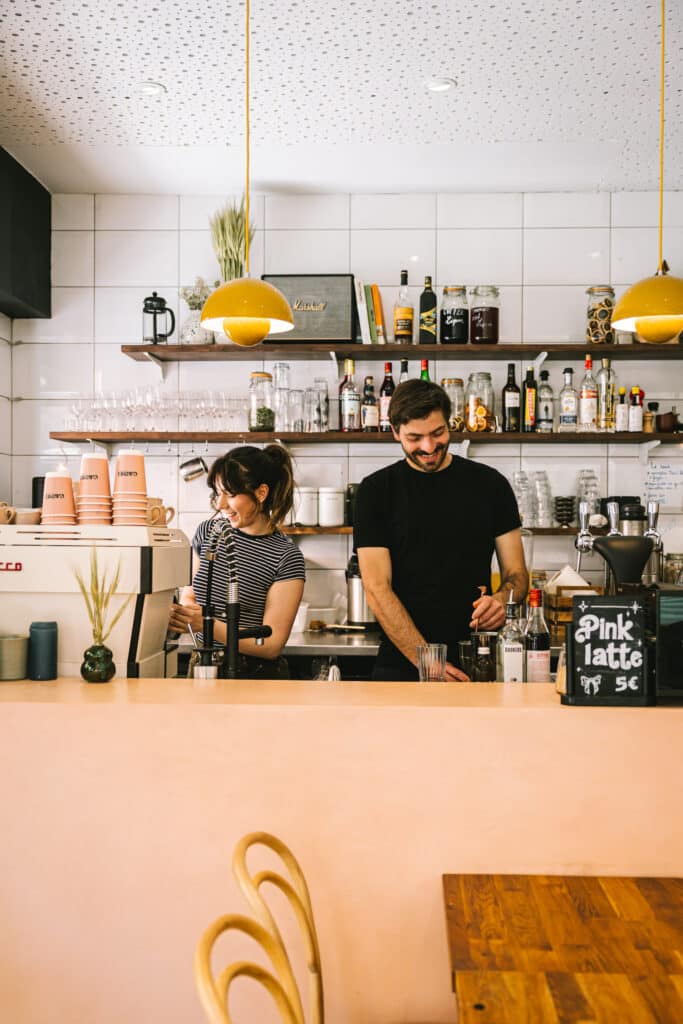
(511,403)
(546,406)
(404,371)
(404,314)
(385,392)
(529,402)
(428,314)
(454,320)
(369,410)
(537,641)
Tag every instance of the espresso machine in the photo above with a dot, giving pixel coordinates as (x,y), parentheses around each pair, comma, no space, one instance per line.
(633,565)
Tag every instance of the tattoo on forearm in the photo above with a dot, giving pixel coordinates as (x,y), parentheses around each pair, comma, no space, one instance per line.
(517,582)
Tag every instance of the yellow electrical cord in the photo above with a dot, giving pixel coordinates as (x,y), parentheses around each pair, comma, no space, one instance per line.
(246,226)
(661,144)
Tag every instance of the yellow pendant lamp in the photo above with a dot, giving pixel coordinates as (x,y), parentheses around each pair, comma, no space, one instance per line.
(247,310)
(653,308)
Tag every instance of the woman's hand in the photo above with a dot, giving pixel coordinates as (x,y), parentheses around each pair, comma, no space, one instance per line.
(189,613)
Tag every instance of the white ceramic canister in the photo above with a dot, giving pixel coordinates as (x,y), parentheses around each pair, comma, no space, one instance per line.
(330,506)
(306,506)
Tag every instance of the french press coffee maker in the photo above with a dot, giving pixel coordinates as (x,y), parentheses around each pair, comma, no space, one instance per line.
(155,314)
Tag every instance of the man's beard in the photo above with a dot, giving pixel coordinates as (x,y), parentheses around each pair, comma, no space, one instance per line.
(441,449)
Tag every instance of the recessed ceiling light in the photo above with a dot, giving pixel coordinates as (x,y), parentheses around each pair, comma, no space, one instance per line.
(151,88)
(440,83)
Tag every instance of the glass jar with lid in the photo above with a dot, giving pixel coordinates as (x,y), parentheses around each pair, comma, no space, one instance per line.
(599,315)
(479,403)
(484,315)
(454,316)
(261,403)
(454,389)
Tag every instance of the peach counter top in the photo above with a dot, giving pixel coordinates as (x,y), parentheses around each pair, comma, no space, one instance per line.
(117,826)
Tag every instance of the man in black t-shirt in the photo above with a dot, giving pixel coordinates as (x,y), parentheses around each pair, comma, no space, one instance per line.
(425,530)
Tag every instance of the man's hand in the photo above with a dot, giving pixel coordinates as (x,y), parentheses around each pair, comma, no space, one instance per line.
(489,611)
(454,674)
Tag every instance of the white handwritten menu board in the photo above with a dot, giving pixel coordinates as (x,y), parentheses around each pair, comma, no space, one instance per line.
(664,483)
(607,652)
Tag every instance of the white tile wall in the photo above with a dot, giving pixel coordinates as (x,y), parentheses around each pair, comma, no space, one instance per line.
(5,478)
(543,250)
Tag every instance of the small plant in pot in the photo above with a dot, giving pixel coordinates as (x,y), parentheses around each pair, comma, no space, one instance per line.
(192,332)
(98,665)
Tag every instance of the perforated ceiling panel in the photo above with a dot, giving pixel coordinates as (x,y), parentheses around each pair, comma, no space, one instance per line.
(344,72)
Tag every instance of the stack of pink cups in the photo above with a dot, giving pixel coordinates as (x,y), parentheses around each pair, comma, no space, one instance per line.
(58,500)
(130,490)
(93,502)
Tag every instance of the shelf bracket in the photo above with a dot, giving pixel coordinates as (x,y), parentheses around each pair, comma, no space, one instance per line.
(161,364)
(645,449)
(335,362)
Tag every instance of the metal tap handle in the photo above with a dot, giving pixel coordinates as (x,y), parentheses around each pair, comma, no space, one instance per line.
(613,517)
(652,518)
(584,516)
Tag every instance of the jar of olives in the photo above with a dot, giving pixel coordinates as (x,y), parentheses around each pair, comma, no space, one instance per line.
(599,315)
(261,404)
(479,403)
(454,389)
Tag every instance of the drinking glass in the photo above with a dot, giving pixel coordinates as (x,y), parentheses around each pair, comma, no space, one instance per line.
(312,411)
(466,654)
(296,410)
(320,384)
(431,662)
(281,375)
(281,408)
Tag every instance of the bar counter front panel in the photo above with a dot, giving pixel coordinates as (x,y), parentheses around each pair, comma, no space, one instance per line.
(121,805)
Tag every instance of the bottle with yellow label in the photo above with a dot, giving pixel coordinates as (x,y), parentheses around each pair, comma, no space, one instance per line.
(428,314)
(404,314)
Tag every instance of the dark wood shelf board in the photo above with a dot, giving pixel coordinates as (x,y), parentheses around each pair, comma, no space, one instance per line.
(337,437)
(308,531)
(363,353)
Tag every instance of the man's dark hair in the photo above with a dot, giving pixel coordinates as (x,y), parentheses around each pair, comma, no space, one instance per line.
(415,400)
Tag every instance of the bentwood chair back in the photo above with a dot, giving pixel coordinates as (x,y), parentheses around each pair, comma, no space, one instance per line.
(281,984)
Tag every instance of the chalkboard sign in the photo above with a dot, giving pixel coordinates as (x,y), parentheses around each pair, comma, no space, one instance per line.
(607,652)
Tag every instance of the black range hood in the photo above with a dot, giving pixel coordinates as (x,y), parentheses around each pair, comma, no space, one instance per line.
(25,225)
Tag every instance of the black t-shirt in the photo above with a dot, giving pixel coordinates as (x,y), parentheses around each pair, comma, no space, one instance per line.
(440,529)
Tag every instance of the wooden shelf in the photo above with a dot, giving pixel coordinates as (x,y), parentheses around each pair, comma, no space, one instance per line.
(363,353)
(338,437)
(309,531)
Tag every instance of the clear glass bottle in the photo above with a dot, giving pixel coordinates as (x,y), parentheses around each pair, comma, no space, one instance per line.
(454,319)
(349,399)
(511,403)
(569,404)
(599,315)
(588,399)
(404,314)
(484,315)
(479,403)
(510,647)
(369,410)
(455,391)
(607,393)
(545,417)
(261,404)
(537,641)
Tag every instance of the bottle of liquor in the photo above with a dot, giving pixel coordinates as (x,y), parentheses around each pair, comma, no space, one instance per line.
(404,371)
(385,392)
(369,410)
(483,668)
(454,319)
(349,399)
(428,314)
(424,369)
(621,413)
(588,399)
(607,387)
(510,647)
(404,314)
(537,641)
(529,402)
(569,404)
(635,410)
(545,419)
(511,403)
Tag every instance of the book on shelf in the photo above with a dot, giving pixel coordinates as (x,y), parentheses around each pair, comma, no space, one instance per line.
(370,306)
(363,321)
(379,315)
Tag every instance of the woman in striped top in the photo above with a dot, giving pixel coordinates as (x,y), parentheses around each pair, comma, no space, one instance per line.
(253,489)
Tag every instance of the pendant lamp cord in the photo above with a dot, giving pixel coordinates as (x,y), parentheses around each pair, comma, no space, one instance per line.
(247,142)
(661,145)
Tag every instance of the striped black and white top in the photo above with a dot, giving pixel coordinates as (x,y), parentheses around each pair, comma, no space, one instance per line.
(261,561)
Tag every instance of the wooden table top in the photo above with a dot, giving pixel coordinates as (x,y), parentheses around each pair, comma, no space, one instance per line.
(551,949)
